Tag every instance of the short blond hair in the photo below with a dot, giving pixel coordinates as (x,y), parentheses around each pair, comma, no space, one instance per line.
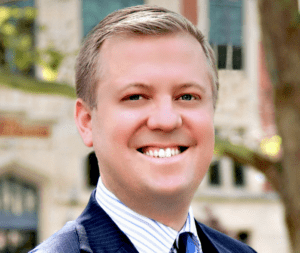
(138,20)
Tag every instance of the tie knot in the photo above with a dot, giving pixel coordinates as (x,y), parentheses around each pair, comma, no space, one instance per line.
(186,243)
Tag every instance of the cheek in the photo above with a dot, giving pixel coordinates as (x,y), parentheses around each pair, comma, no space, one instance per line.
(203,124)
(124,125)
(204,132)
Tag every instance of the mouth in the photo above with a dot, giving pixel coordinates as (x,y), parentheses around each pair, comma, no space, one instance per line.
(157,152)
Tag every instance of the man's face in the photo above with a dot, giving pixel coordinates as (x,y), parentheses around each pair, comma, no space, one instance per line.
(152,130)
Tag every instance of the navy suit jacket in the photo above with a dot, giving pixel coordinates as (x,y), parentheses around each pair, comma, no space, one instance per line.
(94,231)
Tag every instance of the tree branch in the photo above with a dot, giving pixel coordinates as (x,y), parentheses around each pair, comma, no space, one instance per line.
(244,155)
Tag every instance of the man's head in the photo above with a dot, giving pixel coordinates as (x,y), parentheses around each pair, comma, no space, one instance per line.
(146,106)
(134,21)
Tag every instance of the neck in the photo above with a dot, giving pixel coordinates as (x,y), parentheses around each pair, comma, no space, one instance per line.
(172,216)
(167,210)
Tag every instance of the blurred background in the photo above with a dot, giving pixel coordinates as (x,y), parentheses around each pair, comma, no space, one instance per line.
(46,172)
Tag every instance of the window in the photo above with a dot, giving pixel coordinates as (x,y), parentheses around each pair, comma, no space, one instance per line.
(18,215)
(92,170)
(226,24)
(15,58)
(214,175)
(93,11)
(238,175)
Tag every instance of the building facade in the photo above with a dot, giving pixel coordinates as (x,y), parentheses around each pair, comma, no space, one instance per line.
(47,174)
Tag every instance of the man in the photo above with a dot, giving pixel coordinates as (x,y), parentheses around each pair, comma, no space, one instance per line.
(147,87)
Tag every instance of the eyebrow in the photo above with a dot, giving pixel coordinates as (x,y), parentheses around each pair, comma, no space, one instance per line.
(193,85)
(136,85)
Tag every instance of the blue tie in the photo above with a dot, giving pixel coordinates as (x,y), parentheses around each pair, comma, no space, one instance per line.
(186,243)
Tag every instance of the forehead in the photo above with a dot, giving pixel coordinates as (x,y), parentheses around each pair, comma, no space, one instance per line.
(116,47)
(113,42)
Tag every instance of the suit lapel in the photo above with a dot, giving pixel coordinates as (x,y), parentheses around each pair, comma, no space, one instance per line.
(206,243)
(210,239)
(102,234)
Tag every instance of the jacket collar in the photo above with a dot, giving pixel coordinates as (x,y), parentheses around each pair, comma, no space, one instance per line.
(102,233)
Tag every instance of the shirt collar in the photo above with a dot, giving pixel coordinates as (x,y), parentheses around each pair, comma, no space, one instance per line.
(146,235)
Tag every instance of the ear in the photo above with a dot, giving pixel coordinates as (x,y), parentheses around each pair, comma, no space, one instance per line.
(83,120)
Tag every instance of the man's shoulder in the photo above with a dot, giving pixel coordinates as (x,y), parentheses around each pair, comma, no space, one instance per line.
(222,242)
(65,240)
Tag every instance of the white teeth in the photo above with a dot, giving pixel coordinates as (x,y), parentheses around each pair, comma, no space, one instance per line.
(168,152)
(162,153)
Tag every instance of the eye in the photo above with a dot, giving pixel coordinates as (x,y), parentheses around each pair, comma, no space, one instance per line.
(135,97)
(187,97)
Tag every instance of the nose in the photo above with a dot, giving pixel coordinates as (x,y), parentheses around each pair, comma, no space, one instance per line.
(164,117)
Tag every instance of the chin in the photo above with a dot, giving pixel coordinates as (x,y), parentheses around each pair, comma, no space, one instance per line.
(173,190)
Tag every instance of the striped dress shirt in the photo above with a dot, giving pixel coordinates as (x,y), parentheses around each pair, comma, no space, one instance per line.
(147,235)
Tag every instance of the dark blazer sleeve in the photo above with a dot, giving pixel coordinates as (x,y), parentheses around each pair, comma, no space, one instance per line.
(69,239)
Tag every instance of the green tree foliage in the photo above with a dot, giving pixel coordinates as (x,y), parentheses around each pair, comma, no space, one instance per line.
(16,48)
(18,54)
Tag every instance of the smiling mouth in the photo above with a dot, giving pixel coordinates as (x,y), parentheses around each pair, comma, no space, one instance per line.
(162,152)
